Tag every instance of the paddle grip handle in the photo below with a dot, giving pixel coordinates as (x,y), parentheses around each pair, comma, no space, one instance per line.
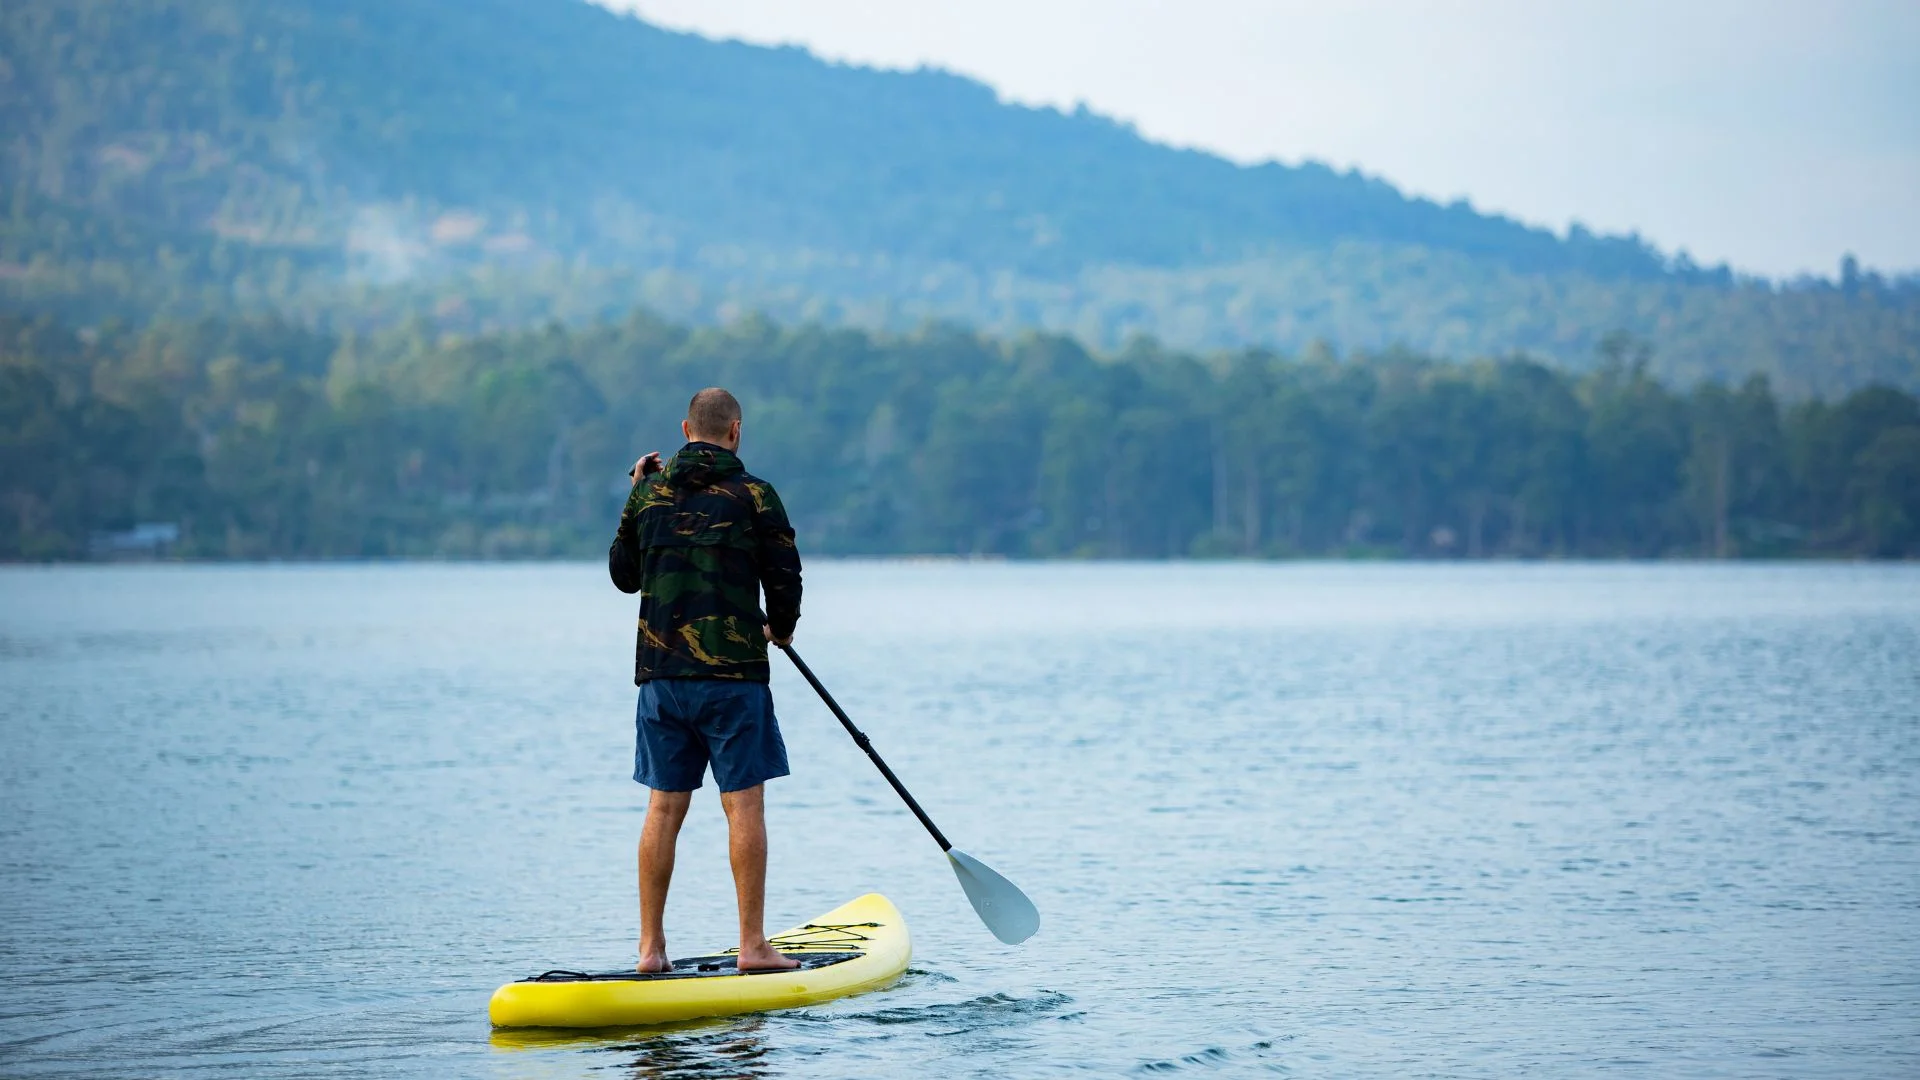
(860,739)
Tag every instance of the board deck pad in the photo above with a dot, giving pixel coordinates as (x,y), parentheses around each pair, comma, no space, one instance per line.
(815,945)
(700,967)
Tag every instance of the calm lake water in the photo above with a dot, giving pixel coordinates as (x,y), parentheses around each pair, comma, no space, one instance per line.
(1324,820)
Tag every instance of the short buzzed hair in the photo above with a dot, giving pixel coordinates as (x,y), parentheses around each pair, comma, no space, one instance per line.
(712,411)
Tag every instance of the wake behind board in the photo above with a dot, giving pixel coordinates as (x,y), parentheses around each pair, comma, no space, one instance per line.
(859,946)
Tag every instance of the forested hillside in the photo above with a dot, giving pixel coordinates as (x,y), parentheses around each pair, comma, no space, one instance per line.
(263,438)
(350,164)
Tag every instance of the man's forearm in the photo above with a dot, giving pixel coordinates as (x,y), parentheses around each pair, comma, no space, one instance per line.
(622,566)
(781,583)
(783,606)
(623,555)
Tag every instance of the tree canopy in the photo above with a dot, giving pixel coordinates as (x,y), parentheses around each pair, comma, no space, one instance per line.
(263,438)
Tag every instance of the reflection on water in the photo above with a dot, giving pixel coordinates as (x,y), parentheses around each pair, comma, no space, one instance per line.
(736,1050)
(1332,820)
(722,1047)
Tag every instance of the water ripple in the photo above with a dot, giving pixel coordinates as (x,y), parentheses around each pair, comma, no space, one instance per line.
(1332,820)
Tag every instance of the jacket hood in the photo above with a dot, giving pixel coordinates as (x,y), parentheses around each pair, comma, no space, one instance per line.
(700,465)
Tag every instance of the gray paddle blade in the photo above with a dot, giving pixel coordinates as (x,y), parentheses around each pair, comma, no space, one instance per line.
(999,903)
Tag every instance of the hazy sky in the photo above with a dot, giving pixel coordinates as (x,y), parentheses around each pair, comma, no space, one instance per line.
(1773,135)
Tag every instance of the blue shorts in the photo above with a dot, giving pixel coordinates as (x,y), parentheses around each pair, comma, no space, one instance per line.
(683,724)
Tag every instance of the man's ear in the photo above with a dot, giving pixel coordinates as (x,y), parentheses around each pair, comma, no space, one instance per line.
(733,432)
(686,430)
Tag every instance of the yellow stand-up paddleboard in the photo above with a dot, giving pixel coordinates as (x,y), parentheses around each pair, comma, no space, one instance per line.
(859,946)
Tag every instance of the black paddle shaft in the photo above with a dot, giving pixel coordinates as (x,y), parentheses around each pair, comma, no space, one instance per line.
(860,738)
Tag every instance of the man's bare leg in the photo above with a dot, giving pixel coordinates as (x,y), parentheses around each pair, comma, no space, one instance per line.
(747,848)
(666,810)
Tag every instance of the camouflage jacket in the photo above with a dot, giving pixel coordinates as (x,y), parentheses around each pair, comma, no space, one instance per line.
(698,541)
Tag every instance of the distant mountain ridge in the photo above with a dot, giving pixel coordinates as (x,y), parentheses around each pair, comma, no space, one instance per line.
(495,160)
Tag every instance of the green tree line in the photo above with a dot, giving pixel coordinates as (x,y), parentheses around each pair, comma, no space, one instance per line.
(261,438)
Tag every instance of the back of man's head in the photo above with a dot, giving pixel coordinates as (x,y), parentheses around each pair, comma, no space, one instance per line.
(711,414)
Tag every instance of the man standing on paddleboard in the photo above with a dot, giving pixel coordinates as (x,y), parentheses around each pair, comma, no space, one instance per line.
(700,540)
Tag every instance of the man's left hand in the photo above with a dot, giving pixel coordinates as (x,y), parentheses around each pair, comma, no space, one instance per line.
(645,467)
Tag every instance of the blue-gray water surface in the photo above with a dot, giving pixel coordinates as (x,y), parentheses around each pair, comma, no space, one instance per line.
(1324,820)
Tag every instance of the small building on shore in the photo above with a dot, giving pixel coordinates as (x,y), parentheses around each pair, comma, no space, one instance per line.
(147,540)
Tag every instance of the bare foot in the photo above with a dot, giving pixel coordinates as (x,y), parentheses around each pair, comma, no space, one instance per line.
(762,957)
(653,962)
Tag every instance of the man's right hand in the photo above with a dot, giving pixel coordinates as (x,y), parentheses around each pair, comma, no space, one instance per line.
(646,466)
(782,642)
